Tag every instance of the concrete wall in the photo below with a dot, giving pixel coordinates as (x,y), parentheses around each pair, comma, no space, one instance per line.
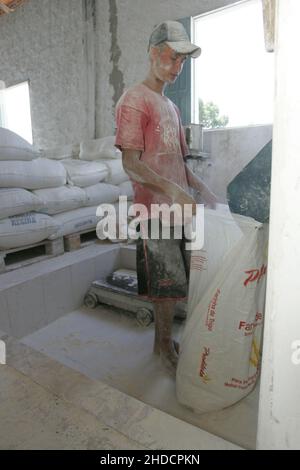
(37,295)
(123,30)
(43,41)
(230,151)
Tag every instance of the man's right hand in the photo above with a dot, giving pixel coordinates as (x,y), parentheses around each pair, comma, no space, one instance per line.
(182,198)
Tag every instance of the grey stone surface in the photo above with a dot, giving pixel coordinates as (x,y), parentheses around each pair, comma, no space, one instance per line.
(43,41)
(137,424)
(34,418)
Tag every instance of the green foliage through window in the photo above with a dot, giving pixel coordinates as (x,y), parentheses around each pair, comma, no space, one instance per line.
(209,115)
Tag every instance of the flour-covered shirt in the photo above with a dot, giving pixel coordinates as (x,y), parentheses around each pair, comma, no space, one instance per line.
(150,122)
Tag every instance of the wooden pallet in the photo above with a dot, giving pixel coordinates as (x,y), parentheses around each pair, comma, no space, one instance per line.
(19,257)
(79,240)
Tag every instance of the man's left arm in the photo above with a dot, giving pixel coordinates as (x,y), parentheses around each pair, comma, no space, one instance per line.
(195,182)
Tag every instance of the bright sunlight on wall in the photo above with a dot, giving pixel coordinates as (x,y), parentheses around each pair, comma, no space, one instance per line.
(15,110)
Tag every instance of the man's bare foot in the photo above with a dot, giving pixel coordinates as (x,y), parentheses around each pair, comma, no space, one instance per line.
(169,359)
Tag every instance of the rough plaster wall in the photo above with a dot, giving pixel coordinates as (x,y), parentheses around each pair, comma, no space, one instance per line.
(122,56)
(43,41)
(230,151)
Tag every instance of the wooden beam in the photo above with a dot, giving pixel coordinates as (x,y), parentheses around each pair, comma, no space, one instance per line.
(5,8)
(269,9)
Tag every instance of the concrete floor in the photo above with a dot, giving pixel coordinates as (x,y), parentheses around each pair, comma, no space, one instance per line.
(47,405)
(109,346)
(33,418)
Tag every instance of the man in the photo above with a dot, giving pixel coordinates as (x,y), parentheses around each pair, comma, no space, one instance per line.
(151,137)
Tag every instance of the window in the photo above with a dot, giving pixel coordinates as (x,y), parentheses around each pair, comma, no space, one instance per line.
(15,110)
(234,72)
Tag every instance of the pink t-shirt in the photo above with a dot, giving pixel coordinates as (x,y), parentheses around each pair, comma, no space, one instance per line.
(150,122)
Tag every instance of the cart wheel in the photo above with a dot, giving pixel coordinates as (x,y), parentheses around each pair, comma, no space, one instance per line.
(144,317)
(90,300)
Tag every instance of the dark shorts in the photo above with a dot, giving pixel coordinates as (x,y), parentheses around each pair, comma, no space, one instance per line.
(163,267)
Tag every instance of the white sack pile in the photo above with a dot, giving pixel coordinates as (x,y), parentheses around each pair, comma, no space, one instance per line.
(57,200)
(75,221)
(100,149)
(26,229)
(35,174)
(116,173)
(62,152)
(85,174)
(126,189)
(14,147)
(101,193)
(16,201)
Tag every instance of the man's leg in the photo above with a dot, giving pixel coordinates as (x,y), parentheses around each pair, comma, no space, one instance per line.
(163,342)
(156,346)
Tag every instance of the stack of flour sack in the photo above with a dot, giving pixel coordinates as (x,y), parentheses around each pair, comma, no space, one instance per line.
(55,192)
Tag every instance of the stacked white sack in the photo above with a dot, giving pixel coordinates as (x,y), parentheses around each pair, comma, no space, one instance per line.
(21,169)
(100,149)
(26,229)
(35,174)
(126,189)
(63,199)
(84,173)
(220,357)
(62,152)
(103,150)
(15,201)
(13,147)
(116,172)
(75,221)
(101,193)
(115,218)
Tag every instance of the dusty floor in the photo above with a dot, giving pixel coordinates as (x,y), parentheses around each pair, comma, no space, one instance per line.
(33,418)
(106,345)
(47,405)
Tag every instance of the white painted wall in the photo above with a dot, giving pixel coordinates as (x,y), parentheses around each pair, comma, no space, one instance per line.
(279,413)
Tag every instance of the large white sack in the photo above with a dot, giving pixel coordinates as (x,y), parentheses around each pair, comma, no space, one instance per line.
(101,193)
(221,233)
(85,174)
(14,147)
(220,357)
(56,200)
(62,152)
(117,174)
(26,229)
(126,189)
(37,174)
(100,149)
(15,201)
(75,221)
